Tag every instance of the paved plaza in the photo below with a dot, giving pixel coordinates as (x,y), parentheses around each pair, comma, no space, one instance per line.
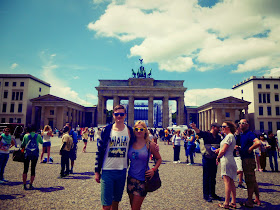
(181,185)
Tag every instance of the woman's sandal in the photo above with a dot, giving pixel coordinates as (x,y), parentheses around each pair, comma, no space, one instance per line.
(232,205)
(222,205)
(257,203)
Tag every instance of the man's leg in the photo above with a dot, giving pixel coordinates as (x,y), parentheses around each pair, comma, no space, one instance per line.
(107,187)
(206,179)
(249,166)
(275,160)
(119,184)
(270,160)
(213,172)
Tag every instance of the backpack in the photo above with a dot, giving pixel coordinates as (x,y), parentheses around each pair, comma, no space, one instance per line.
(32,149)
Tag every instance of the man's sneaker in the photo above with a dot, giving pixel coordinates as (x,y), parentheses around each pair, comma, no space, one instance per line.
(208,199)
(175,161)
(71,171)
(31,187)
(216,197)
(24,187)
(242,187)
(179,161)
(189,164)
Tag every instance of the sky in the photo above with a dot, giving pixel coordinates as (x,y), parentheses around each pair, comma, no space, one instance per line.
(210,44)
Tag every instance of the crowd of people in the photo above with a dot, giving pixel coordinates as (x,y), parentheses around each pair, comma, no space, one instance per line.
(123,155)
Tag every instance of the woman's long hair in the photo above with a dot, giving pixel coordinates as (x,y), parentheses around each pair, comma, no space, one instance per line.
(231,126)
(47,128)
(146,136)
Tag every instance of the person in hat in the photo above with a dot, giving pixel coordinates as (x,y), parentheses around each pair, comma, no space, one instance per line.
(211,139)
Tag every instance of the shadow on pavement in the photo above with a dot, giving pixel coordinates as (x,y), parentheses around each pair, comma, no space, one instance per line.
(12,196)
(12,183)
(78,177)
(267,184)
(50,189)
(88,173)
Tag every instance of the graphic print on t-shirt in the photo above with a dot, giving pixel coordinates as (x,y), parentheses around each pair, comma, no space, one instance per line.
(117,147)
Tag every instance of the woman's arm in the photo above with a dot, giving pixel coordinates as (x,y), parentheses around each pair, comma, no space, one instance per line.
(150,173)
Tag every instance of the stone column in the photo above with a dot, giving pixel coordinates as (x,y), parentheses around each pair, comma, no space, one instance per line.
(33,114)
(165,112)
(104,111)
(209,119)
(151,112)
(116,101)
(100,109)
(64,115)
(246,114)
(212,116)
(180,111)
(131,111)
(55,117)
(42,124)
(200,120)
(223,116)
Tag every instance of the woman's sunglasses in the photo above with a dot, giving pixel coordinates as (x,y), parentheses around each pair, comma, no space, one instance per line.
(119,114)
(139,129)
(224,126)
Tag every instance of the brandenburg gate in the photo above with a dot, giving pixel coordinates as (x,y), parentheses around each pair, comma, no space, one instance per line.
(142,88)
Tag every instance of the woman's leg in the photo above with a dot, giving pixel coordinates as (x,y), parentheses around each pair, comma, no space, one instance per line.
(137,202)
(227,189)
(49,153)
(258,162)
(33,168)
(3,162)
(42,154)
(25,171)
(85,146)
(191,155)
(233,191)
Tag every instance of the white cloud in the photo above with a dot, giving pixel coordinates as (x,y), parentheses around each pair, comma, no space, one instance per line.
(273,72)
(253,64)
(198,97)
(228,33)
(14,65)
(59,86)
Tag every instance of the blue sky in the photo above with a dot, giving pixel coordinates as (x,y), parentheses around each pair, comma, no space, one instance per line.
(210,44)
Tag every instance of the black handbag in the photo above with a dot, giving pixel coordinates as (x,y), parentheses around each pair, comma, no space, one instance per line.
(154,183)
(18,156)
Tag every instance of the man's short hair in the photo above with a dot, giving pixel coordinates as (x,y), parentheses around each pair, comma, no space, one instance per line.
(119,107)
(269,132)
(214,124)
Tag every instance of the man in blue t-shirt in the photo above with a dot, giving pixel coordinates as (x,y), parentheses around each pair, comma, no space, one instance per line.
(249,142)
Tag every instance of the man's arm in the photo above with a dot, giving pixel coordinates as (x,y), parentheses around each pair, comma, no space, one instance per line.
(195,128)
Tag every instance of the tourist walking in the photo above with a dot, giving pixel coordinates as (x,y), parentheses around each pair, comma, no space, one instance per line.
(46,134)
(138,155)
(111,159)
(248,143)
(190,146)
(30,144)
(264,147)
(228,165)
(211,139)
(272,151)
(176,142)
(73,151)
(6,142)
(66,145)
(85,135)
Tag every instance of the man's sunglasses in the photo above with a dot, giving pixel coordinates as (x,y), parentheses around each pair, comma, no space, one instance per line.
(139,129)
(242,123)
(119,114)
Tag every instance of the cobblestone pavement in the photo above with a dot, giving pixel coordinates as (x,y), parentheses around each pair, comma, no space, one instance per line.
(181,185)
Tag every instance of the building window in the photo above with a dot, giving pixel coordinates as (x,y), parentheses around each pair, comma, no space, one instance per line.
(269,110)
(264,98)
(18,120)
(51,112)
(40,89)
(277,110)
(12,108)
(5,94)
(11,120)
(260,110)
(259,86)
(4,108)
(3,120)
(39,95)
(261,126)
(19,108)
(21,84)
(276,97)
(14,84)
(227,114)
(260,98)
(17,96)
(267,86)
(278,125)
(275,86)
(269,126)
(241,91)
(6,84)
(242,98)
(268,98)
